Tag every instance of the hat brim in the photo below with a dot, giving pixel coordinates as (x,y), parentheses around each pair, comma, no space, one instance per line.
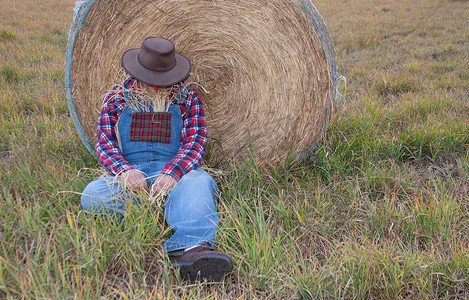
(162,79)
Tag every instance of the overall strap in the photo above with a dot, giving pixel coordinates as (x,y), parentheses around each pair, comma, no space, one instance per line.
(181,95)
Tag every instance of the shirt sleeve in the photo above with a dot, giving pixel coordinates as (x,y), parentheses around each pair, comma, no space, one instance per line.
(193,139)
(107,147)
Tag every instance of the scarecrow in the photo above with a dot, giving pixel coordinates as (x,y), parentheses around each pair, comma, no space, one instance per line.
(151,138)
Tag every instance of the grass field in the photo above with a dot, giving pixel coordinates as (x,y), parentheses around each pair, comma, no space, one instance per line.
(379,211)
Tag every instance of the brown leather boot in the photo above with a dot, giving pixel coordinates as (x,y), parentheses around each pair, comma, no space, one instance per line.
(204,263)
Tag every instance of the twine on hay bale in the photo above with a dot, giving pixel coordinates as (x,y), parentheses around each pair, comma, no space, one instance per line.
(265,70)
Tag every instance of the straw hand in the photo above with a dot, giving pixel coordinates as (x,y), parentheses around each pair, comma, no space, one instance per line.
(163,184)
(134,179)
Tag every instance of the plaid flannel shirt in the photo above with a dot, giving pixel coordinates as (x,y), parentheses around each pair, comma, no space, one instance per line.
(193,136)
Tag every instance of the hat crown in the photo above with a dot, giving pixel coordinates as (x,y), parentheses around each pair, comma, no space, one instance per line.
(157,54)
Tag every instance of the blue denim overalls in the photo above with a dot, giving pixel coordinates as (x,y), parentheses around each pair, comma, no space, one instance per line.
(189,208)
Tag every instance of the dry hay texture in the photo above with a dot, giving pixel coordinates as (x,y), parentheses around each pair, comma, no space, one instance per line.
(258,66)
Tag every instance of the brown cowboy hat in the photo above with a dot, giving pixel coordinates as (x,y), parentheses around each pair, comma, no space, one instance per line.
(156,62)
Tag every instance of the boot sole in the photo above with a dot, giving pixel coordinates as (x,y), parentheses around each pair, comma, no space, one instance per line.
(207,267)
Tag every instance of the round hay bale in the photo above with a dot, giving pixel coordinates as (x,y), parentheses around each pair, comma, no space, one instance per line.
(265,70)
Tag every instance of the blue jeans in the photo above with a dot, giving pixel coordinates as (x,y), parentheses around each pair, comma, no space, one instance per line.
(189,208)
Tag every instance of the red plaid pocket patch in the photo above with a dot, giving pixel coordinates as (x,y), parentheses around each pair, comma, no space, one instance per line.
(151,127)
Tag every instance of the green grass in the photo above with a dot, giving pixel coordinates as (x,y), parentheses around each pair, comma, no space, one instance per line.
(379,210)
(7,35)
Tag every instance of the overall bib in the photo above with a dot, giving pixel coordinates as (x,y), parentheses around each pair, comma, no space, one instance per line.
(149,140)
